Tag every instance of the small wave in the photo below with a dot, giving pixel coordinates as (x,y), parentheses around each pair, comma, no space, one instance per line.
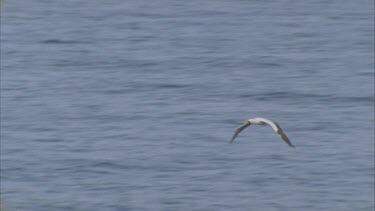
(170,86)
(283,94)
(58,41)
(48,140)
(268,64)
(270,96)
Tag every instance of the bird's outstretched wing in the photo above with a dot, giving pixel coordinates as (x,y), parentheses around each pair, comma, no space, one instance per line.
(247,123)
(285,138)
(279,131)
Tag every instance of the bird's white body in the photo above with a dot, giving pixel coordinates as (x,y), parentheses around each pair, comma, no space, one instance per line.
(263,121)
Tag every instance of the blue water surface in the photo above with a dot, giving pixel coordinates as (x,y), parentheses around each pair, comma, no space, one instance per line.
(129,105)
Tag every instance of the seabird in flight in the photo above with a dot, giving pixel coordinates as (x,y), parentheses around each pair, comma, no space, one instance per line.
(262,121)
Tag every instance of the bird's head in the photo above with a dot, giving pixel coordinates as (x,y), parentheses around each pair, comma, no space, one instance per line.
(247,122)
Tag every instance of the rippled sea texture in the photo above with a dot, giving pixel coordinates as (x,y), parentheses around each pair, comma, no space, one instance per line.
(129,105)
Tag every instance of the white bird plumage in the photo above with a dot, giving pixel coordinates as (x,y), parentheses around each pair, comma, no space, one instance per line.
(262,121)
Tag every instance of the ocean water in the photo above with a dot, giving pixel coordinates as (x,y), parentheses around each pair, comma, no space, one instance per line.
(129,105)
